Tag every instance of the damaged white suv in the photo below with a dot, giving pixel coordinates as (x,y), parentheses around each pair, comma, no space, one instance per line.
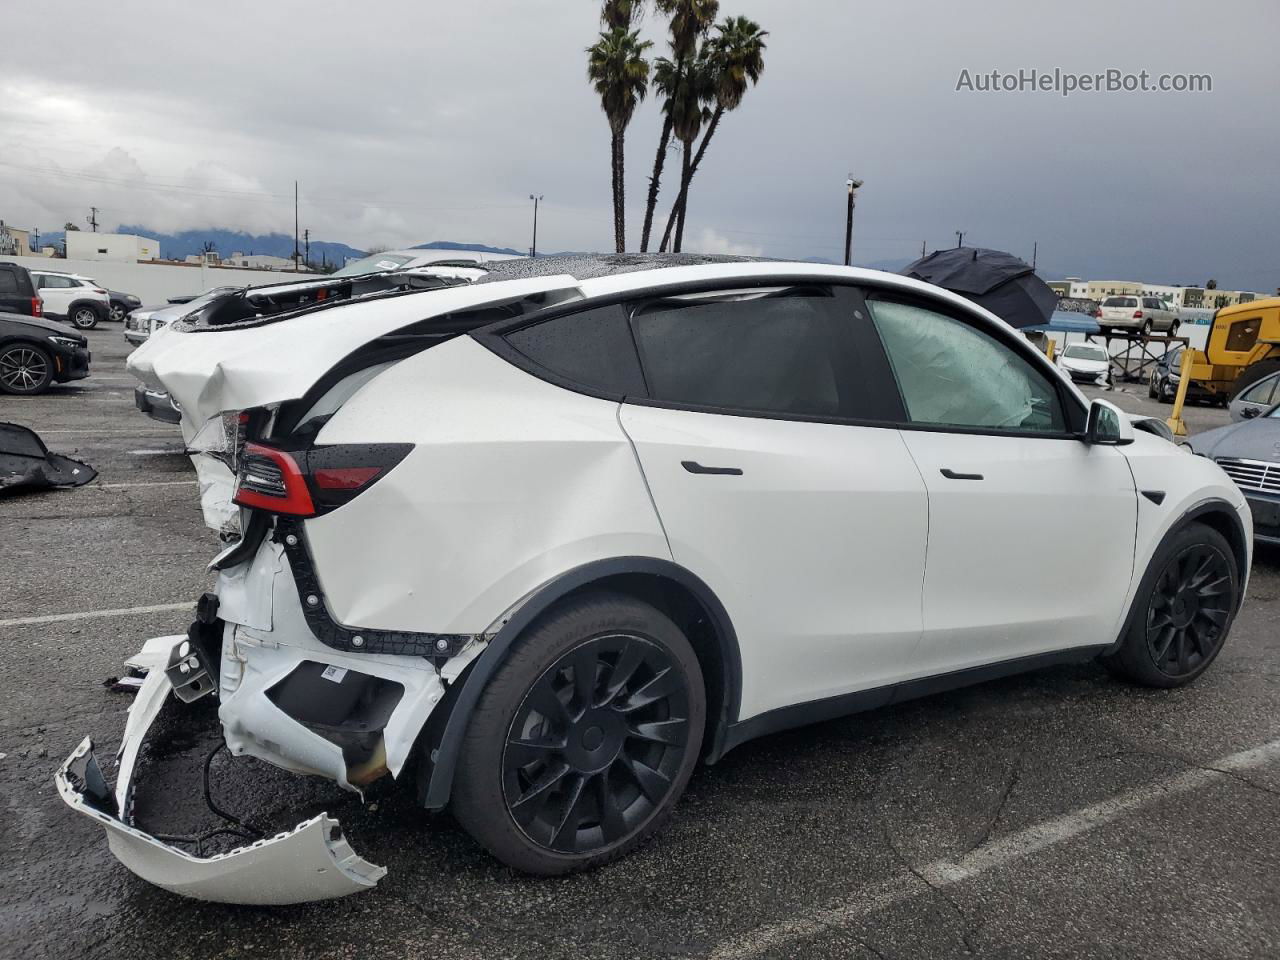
(558,534)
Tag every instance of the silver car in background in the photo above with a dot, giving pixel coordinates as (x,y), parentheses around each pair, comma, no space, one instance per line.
(1257,399)
(144,321)
(1141,314)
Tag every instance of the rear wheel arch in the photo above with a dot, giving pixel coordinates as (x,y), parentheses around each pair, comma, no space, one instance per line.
(672,589)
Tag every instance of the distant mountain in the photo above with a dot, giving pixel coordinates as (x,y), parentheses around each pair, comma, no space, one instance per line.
(479,247)
(176,246)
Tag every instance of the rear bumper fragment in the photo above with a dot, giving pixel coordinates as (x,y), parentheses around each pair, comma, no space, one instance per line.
(313,861)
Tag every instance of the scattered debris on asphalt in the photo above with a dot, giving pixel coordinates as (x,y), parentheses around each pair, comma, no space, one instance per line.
(26,465)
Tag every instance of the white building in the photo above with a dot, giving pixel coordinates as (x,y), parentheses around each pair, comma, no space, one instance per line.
(258,261)
(120,247)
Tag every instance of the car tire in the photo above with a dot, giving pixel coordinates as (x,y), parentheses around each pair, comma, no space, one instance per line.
(1152,390)
(117,313)
(25,369)
(84,317)
(1173,328)
(1182,612)
(1146,328)
(559,774)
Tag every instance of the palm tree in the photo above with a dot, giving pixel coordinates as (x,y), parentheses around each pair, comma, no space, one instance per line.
(619,72)
(736,60)
(690,21)
(665,81)
(620,13)
(688,114)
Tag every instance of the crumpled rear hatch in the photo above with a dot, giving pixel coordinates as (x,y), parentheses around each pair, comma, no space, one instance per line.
(216,373)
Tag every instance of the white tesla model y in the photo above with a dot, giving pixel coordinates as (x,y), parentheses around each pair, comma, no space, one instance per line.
(559,533)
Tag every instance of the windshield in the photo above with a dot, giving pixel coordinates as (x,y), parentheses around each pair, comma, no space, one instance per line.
(375,263)
(1085,351)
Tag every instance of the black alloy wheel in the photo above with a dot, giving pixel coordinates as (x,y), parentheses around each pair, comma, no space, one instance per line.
(584,736)
(1182,611)
(25,369)
(117,312)
(597,743)
(1189,610)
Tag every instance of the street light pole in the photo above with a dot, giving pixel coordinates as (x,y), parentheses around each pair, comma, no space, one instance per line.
(533,250)
(959,239)
(853,186)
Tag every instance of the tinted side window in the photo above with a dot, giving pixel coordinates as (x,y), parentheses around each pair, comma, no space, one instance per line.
(952,374)
(592,348)
(782,354)
(8,281)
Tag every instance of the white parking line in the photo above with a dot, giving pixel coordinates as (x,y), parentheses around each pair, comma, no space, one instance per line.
(93,614)
(990,856)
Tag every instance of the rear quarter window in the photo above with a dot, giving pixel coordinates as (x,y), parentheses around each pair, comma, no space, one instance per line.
(592,348)
(8,281)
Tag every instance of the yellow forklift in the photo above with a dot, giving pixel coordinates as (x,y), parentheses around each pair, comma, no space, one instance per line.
(1243,347)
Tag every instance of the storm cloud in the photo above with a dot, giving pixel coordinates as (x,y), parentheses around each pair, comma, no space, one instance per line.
(407,122)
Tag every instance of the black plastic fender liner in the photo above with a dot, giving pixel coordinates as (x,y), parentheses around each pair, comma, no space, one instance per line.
(26,465)
(445,756)
(1239,546)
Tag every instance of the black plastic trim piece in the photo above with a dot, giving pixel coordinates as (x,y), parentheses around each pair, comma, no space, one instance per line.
(954,475)
(436,647)
(1155,496)
(445,756)
(816,711)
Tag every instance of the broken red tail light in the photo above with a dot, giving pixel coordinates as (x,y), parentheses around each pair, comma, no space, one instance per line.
(271,480)
(312,481)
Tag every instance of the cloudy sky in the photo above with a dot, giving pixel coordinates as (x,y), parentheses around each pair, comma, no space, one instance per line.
(413,121)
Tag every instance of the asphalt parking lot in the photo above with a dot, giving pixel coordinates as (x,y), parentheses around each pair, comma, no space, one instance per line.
(1058,814)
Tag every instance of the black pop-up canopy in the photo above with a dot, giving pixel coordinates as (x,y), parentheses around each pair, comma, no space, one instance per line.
(993,279)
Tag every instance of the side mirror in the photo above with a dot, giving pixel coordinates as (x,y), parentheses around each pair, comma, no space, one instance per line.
(1249,412)
(1107,424)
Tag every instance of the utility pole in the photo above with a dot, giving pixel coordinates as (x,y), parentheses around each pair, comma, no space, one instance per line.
(92,219)
(35,245)
(533,250)
(853,186)
(923,243)
(306,239)
(295,226)
(1035,250)
(959,239)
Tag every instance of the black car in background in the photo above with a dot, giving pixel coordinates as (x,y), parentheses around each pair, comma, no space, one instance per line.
(36,353)
(1165,376)
(18,291)
(121,304)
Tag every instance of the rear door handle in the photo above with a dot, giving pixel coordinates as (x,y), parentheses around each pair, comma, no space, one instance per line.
(693,466)
(952,475)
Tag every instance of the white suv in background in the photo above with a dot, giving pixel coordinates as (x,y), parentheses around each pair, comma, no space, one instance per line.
(1133,312)
(563,532)
(69,296)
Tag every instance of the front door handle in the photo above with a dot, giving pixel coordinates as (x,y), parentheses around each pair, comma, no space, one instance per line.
(952,475)
(693,466)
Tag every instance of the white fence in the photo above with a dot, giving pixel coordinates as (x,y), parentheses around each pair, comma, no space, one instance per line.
(155,283)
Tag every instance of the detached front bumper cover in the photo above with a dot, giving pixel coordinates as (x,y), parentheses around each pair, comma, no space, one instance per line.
(313,861)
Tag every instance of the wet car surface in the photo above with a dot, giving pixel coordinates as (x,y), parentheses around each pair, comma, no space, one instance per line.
(1078,816)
